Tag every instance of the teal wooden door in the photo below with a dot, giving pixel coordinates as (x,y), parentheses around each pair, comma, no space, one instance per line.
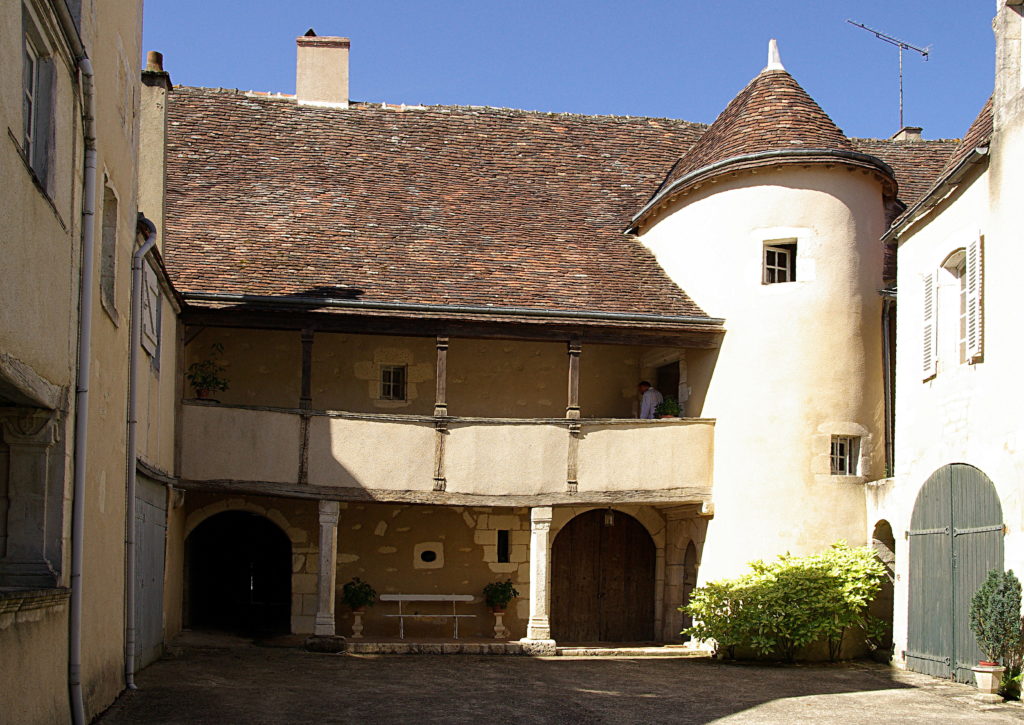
(956,537)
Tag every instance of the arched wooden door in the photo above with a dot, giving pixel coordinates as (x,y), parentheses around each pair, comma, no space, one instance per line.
(956,537)
(602,580)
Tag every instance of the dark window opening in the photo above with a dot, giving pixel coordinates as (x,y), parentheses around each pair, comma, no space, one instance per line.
(503,547)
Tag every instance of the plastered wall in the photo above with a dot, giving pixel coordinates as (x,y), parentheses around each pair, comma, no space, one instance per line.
(33,644)
(486,378)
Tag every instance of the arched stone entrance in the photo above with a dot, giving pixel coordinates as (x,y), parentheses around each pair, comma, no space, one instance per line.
(956,537)
(238,574)
(602,579)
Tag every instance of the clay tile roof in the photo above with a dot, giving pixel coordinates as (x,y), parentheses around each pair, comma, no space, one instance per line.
(436,205)
(979,134)
(773,113)
(916,163)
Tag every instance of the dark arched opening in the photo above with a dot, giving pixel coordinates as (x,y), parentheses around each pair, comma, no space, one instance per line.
(884,544)
(238,574)
(602,579)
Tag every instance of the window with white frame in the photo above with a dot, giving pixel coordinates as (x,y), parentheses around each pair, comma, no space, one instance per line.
(37,101)
(952,311)
(393,382)
(844,454)
(779,262)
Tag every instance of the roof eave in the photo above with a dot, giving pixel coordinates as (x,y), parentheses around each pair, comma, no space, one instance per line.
(939,190)
(759,158)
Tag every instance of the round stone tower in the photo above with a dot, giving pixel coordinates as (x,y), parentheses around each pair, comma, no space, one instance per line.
(772,220)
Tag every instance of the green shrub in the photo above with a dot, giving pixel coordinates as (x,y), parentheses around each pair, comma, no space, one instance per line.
(668,406)
(995,615)
(782,606)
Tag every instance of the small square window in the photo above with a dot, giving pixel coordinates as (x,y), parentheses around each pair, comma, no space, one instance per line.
(779,263)
(392,382)
(844,454)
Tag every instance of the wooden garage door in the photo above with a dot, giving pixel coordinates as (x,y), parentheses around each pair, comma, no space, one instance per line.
(602,580)
(956,537)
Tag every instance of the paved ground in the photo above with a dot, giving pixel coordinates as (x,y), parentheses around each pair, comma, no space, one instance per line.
(224,680)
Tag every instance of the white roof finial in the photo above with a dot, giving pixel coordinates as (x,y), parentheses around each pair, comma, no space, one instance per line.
(774,60)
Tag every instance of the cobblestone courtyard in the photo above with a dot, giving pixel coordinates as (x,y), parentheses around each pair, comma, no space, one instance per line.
(238,682)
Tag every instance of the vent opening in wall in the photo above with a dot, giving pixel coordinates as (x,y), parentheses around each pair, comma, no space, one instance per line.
(428,555)
(503,547)
(779,261)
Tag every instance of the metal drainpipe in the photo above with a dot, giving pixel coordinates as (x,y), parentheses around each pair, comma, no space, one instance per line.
(133,363)
(82,397)
(887,303)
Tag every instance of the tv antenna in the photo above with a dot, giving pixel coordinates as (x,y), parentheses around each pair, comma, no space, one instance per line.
(902,45)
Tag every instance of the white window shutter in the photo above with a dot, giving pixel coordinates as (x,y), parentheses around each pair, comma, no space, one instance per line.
(974,303)
(929,357)
(150,310)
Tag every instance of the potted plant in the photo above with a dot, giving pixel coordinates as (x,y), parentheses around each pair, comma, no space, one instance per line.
(358,595)
(499,594)
(668,408)
(996,623)
(206,376)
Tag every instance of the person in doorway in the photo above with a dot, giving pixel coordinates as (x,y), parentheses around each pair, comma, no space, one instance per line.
(649,399)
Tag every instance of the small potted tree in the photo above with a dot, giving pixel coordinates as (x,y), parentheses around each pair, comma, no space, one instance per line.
(498,595)
(668,408)
(996,623)
(209,375)
(358,595)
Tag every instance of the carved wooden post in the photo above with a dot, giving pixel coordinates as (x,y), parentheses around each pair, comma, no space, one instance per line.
(441,396)
(306,394)
(440,410)
(572,410)
(572,467)
(539,627)
(327,569)
(305,403)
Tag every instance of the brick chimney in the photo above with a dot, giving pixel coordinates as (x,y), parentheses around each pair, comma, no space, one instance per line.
(321,70)
(907,133)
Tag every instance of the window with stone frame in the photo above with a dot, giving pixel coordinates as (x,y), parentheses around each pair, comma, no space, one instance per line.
(393,382)
(779,262)
(844,454)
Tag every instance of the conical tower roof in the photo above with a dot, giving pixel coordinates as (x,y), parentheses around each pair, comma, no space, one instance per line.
(769,120)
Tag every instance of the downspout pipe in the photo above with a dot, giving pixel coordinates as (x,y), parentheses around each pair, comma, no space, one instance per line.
(888,302)
(85,293)
(138,259)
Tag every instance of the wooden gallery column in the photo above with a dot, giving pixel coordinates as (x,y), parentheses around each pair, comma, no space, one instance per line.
(440,412)
(572,413)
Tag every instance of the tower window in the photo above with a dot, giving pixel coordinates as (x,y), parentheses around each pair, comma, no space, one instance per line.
(845,452)
(779,262)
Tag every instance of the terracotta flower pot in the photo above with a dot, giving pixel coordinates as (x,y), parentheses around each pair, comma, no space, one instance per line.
(498,610)
(986,663)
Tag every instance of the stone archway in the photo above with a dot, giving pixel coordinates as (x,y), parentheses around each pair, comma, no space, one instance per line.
(603,579)
(238,574)
(884,543)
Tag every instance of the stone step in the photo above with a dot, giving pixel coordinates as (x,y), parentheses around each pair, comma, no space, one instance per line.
(629,652)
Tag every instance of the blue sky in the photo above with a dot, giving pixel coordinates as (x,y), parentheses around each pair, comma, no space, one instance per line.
(680,59)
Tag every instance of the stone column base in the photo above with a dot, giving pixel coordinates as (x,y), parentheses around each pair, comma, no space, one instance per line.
(538,646)
(332,644)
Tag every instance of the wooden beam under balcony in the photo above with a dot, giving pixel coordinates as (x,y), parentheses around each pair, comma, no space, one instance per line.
(684,495)
(681,335)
